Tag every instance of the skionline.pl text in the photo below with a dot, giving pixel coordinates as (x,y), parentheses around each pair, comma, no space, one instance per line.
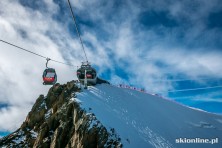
(197,140)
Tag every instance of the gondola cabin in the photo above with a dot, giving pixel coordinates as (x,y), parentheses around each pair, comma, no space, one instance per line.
(49,76)
(88,73)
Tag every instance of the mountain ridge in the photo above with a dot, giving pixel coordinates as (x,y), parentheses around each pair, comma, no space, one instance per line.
(108,116)
(57,120)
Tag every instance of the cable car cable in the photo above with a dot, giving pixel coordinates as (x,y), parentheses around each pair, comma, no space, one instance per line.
(193,89)
(181,80)
(74,19)
(23,49)
(34,53)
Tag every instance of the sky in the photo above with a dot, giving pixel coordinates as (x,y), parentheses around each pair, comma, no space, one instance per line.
(159,45)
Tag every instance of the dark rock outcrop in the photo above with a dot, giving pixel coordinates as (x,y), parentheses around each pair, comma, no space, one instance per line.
(58,121)
(100,81)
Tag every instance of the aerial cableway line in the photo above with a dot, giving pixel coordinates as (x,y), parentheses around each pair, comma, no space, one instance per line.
(194,89)
(18,47)
(86,73)
(49,75)
(77,30)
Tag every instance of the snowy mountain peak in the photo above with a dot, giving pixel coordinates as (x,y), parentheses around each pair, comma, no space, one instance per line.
(57,120)
(107,116)
(145,120)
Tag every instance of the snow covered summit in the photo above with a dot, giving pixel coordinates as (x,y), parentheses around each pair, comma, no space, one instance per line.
(145,120)
(108,116)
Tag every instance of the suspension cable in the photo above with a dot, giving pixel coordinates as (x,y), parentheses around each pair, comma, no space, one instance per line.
(193,89)
(17,47)
(74,19)
(181,80)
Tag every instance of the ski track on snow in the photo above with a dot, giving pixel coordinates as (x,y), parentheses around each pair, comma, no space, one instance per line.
(135,117)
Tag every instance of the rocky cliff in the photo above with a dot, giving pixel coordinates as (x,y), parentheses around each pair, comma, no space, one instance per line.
(57,120)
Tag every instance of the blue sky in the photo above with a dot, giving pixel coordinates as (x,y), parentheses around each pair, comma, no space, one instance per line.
(159,45)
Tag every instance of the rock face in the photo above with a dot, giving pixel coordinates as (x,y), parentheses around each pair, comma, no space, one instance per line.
(58,121)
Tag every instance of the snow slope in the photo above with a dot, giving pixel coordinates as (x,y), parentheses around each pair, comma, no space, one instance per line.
(143,120)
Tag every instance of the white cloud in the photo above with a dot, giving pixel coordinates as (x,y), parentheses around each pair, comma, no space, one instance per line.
(129,47)
(121,42)
(21,72)
(12,117)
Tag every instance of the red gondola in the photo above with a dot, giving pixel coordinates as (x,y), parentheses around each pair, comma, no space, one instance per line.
(49,75)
